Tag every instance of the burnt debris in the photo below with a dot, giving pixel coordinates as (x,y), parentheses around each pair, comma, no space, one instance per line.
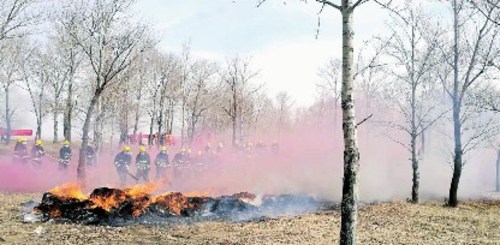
(107,206)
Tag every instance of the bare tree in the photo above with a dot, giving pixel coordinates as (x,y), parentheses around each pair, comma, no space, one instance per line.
(109,42)
(11,72)
(202,93)
(237,77)
(71,63)
(284,104)
(36,76)
(16,17)
(330,76)
(351,152)
(411,50)
(472,56)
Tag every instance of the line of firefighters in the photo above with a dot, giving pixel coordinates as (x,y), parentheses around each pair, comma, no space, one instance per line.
(181,163)
(22,155)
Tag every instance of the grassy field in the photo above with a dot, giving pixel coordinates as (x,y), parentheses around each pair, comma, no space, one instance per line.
(388,223)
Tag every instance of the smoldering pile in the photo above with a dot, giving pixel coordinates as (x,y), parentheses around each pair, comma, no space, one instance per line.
(108,206)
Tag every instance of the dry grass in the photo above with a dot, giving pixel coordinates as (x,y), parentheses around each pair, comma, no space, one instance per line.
(390,223)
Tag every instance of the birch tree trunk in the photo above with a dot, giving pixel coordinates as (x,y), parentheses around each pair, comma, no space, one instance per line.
(350,193)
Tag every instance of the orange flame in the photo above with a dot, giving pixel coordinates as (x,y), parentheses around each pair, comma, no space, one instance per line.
(68,191)
(196,194)
(172,201)
(139,195)
(106,203)
(142,190)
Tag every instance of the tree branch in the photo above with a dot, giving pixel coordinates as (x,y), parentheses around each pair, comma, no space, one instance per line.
(364,120)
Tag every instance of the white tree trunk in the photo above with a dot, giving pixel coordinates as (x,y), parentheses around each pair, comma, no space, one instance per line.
(349,206)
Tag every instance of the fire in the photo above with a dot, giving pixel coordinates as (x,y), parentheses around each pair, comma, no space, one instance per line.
(136,199)
(68,191)
(142,190)
(173,202)
(108,202)
(196,194)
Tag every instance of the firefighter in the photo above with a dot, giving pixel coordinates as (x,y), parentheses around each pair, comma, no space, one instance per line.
(64,156)
(187,169)
(199,161)
(178,163)
(162,163)
(90,156)
(21,151)
(207,148)
(143,162)
(188,158)
(122,164)
(260,147)
(37,153)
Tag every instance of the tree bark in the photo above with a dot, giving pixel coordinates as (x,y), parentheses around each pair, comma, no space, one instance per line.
(170,115)
(160,122)
(68,112)
(498,172)
(81,176)
(183,125)
(416,171)
(39,116)
(56,126)
(151,126)
(38,129)
(235,112)
(8,119)
(414,128)
(98,126)
(349,206)
(136,120)
(457,104)
(457,160)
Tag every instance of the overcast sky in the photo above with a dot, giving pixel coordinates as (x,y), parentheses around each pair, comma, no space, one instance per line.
(279,37)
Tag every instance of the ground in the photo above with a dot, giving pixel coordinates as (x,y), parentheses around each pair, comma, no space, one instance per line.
(386,223)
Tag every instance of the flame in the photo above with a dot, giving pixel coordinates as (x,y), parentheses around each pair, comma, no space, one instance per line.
(139,196)
(173,202)
(196,194)
(108,202)
(142,190)
(68,191)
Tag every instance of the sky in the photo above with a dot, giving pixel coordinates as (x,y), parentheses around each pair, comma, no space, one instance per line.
(279,37)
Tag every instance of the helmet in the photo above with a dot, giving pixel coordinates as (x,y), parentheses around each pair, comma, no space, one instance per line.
(163,148)
(38,142)
(142,149)
(66,142)
(19,140)
(189,150)
(126,148)
(183,150)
